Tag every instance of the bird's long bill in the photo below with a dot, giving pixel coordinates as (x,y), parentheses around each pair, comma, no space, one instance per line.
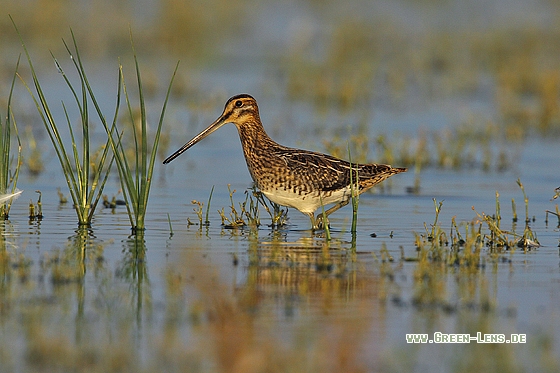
(211,128)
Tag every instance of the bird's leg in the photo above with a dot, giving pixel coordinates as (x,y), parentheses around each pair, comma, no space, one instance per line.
(320,223)
(314,225)
(319,219)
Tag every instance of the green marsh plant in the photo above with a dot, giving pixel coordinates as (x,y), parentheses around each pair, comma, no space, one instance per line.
(236,218)
(85,186)
(252,212)
(8,177)
(498,239)
(170,225)
(248,215)
(198,210)
(135,171)
(203,220)
(206,218)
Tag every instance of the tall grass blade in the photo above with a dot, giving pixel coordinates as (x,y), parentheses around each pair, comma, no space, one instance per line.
(206,218)
(8,180)
(354,193)
(170,226)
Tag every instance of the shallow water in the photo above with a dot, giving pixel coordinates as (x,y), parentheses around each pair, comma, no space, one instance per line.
(282,277)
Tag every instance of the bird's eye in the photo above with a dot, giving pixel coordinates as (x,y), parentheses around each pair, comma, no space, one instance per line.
(238,103)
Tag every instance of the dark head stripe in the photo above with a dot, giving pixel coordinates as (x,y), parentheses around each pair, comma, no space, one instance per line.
(237,97)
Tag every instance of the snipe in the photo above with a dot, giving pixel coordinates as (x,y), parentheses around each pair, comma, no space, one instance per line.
(291,177)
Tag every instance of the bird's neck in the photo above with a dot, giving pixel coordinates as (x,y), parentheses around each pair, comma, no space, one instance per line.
(256,146)
(253,137)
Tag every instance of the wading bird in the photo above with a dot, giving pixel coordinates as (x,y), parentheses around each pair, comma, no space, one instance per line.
(291,177)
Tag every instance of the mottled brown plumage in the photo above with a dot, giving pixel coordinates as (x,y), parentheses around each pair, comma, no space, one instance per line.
(292,177)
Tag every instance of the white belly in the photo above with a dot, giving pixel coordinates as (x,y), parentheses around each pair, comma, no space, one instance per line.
(308,203)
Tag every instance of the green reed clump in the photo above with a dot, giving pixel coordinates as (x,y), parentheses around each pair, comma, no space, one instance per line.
(8,176)
(438,256)
(135,170)
(430,285)
(85,186)
(496,238)
(499,239)
(433,243)
(462,247)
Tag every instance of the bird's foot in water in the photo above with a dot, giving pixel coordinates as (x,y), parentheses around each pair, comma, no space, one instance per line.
(319,225)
